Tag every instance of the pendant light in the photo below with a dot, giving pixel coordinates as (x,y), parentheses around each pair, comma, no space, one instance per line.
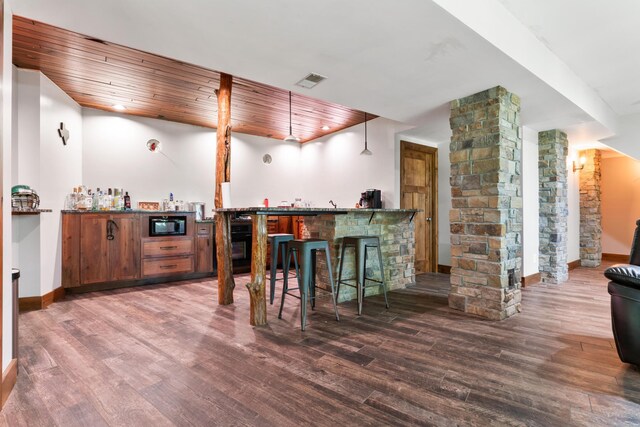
(290,137)
(366,151)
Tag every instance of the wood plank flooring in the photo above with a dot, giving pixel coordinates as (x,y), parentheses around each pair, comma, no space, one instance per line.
(169,355)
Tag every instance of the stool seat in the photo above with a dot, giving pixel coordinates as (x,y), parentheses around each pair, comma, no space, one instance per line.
(304,251)
(360,245)
(277,241)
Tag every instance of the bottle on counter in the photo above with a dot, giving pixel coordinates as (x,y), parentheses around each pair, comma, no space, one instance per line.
(127,201)
(95,200)
(109,199)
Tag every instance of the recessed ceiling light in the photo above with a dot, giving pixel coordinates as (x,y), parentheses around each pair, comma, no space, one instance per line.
(118,107)
(325,127)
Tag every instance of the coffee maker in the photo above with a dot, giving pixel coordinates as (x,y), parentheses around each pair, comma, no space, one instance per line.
(371,199)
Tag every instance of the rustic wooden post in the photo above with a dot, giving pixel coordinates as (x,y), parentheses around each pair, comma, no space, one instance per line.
(257,294)
(223,174)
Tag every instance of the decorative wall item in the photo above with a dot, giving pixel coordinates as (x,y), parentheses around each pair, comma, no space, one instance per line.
(63,133)
(153,145)
(149,206)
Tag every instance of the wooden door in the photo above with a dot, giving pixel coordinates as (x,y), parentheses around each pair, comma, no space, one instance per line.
(124,249)
(419,190)
(94,249)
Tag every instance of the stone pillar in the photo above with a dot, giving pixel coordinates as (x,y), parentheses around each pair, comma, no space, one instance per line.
(486,214)
(590,214)
(552,164)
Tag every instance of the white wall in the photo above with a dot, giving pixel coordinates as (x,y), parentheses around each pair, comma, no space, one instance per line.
(7,83)
(115,155)
(444,204)
(26,156)
(60,170)
(52,169)
(252,180)
(573,197)
(530,203)
(333,169)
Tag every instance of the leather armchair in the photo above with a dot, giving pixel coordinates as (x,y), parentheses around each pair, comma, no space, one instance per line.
(624,289)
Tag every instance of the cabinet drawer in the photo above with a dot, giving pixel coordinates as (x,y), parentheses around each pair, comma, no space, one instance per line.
(204,229)
(164,266)
(167,248)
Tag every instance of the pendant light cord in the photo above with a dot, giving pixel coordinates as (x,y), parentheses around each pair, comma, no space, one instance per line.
(365,130)
(290,128)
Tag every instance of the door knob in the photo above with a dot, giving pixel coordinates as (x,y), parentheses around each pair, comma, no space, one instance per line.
(429,219)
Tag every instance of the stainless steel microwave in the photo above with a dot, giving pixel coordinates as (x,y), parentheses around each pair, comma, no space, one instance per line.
(167,226)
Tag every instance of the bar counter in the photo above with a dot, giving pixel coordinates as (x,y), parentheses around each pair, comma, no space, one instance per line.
(395,228)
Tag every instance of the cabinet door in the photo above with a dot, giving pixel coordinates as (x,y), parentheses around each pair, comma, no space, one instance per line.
(284,224)
(94,249)
(124,249)
(204,248)
(204,254)
(70,250)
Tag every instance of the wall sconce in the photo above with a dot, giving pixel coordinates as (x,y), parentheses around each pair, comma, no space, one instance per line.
(153,145)
(583,160)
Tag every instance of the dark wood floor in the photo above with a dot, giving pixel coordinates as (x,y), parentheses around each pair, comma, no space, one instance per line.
(169,355)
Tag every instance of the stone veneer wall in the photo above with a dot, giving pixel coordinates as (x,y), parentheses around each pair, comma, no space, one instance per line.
(553,189)
(486,214)
(590,213)
(397,244)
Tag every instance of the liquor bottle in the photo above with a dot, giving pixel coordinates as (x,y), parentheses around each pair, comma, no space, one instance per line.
(95,200)
(109,199)
(127,201)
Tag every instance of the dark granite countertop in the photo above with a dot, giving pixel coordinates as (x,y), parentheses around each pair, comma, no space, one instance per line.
(310,211)
(130,211)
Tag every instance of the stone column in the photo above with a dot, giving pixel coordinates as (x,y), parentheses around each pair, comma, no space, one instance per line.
(552,164)
(486,214)
(590,214)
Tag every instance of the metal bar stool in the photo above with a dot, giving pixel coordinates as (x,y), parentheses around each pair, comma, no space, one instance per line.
(361,244)
(305,251)
(278,241)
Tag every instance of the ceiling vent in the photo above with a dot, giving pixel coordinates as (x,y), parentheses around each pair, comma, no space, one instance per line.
(311,80)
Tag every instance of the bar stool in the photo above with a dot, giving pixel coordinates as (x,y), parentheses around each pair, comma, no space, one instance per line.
(305,251)
(278,241)
(361,244)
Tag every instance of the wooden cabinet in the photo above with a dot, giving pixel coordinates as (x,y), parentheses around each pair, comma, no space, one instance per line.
(204,248)
(152,267)
(103,249)
(109,248)
(124,249)
(167,255)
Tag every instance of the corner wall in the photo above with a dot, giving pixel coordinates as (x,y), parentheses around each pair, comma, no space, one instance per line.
(620,186)
(6,135)
(49,167)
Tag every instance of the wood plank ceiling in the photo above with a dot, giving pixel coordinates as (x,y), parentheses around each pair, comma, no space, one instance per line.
(99,74)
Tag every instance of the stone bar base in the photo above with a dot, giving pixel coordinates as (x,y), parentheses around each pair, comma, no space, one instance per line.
(397,241)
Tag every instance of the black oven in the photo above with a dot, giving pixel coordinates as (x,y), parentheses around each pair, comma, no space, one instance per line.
(241,246)
(167,226)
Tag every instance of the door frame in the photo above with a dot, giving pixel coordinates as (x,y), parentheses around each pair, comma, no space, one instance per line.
(434,193)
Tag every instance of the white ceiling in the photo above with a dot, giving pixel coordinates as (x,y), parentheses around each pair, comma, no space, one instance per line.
(404,60)
(598,39)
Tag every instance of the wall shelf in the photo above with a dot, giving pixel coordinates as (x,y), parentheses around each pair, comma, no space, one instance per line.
(29,211)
